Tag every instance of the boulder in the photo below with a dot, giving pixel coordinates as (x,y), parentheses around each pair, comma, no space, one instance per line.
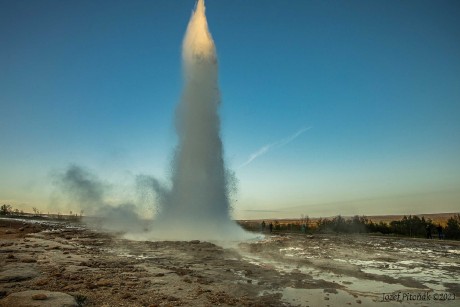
(18,273)
(38,298)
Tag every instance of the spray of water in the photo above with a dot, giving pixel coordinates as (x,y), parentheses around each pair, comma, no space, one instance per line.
(198,204)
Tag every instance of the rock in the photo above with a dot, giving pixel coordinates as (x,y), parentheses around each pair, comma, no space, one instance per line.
(38,298)
(330,290)
(91,286)
(8,232)
(195,241)
(18,273)
(41,282)
(204,281)
(70,288)
(187,280)
(104,283)
(28,260)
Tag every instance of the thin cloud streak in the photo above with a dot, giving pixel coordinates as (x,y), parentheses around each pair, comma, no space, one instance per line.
(255,210)
(266,148)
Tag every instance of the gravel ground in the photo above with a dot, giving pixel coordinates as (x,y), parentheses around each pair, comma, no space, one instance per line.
(102,269)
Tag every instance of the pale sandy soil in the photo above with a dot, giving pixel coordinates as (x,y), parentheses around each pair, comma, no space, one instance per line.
(100,269)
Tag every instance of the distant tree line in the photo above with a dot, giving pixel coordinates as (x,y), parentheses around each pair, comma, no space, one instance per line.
(7,210)
(453,228)
(412,226)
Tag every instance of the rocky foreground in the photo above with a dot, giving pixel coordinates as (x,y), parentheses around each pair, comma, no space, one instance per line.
(58,264)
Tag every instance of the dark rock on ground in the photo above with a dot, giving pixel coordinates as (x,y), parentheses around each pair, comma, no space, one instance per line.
(18,273)
(38,298)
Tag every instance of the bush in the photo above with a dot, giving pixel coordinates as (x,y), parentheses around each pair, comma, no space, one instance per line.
(6,210)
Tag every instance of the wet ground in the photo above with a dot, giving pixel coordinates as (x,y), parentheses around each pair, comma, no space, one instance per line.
(101,269)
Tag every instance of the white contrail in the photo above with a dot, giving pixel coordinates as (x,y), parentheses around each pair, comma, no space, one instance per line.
(266,148)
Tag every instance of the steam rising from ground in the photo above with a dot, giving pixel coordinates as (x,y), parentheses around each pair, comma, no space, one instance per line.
(86,190)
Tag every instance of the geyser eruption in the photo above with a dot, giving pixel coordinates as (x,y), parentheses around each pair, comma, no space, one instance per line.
(199,185)
(197,207)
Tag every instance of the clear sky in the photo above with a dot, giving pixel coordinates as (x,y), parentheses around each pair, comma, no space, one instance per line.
(328,107)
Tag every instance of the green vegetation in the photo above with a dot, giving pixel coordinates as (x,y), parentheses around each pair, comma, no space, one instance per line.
(411,226)
(453,228)
(6,210)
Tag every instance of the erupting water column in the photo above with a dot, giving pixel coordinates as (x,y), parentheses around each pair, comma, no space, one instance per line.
(197,206)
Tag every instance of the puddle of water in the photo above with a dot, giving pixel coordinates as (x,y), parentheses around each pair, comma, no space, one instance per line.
(410,262)
(369,286)
(418,270)
(318,297)
(242,279)
(418,274)
(423,269)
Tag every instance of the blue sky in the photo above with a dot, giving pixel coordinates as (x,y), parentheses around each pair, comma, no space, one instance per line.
(377,84)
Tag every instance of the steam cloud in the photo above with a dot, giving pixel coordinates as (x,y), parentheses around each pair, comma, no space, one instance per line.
(86,190)
(82,187)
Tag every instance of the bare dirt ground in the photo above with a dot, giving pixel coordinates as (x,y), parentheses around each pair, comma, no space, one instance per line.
(71,265)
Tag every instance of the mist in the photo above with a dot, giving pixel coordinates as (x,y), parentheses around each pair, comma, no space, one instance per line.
(85,192)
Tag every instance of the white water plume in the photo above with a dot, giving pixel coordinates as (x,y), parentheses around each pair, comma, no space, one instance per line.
(197,207)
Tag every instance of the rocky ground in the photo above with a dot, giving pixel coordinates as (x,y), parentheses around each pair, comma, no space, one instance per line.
(62,264)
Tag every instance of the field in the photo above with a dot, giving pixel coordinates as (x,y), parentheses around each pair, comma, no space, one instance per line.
(69,264)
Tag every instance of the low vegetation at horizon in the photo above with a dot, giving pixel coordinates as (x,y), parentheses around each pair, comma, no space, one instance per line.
(413,226)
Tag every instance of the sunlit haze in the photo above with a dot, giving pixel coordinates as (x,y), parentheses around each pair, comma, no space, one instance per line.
(349,107)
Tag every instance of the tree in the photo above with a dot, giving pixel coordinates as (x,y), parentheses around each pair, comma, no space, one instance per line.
(6,210)
(453,227)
